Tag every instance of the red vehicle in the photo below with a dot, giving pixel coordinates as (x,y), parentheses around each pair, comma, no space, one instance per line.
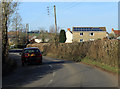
(31,55)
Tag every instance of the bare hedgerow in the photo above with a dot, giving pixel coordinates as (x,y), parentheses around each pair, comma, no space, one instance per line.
(103,51)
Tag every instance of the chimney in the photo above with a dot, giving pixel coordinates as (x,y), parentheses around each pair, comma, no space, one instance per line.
(112,29)
(68,29)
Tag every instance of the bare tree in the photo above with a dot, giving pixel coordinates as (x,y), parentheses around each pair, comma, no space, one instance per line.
(8,9)
(42,30)
(22,35)
(54,37)
(43,34)
(58,29)
(17,26)
(52,29)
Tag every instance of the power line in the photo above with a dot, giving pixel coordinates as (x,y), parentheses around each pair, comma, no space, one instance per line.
(70,5)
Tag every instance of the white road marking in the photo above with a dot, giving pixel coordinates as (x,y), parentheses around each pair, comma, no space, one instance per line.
(54,74)
(53,71)
(49,82)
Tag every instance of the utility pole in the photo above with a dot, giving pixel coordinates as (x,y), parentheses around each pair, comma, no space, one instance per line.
(55,20)
(27,30)
(55,24)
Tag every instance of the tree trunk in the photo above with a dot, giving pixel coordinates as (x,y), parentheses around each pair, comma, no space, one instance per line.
(4,34)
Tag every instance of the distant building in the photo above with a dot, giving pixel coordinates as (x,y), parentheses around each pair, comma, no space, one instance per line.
(118,37)
(69,36)
(38,40)
(32,38)
(47,39)
(115,32)
(81,34)
(11,37)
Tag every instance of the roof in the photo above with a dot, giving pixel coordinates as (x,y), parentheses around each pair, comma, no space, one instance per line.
(70,31)
(107,33)
(117,32)
(32,48)
(11,34)
(89,28)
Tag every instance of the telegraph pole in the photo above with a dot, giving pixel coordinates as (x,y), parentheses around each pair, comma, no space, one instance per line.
(55,20)
(55,24)
(27,30)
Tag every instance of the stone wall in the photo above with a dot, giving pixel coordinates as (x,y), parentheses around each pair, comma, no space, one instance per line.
(104,51)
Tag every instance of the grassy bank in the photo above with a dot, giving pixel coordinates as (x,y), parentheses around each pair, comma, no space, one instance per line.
(100,65)
(9,66)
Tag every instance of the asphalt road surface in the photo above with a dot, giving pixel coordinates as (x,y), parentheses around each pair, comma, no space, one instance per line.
(58,73)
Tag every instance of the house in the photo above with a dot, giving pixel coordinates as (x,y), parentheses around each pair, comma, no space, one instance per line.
(32,38)
(41,40)
(11,37)
(118,37)
(38,40)
(47,39)
(69,36)
(107,34)
(11,40)
(115,32)
(81,34)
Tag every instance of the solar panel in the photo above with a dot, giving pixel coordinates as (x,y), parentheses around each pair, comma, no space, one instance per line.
(86,29)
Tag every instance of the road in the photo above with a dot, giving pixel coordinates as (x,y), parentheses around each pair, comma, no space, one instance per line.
(58,73)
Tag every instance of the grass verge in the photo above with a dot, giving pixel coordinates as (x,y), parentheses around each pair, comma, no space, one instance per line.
(102,66)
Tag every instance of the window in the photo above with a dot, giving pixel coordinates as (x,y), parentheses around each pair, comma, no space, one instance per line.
(91,39)
(91,34)
(31,51)
(81,40)
(81,34)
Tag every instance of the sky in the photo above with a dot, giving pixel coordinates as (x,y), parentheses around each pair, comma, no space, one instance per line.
(70,14)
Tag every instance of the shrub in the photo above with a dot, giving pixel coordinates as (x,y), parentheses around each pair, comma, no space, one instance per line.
(62,36)
(99,39)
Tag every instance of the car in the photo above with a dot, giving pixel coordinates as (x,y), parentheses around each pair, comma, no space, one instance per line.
(31,55)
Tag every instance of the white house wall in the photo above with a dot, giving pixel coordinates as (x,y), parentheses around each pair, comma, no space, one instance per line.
(69,37)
